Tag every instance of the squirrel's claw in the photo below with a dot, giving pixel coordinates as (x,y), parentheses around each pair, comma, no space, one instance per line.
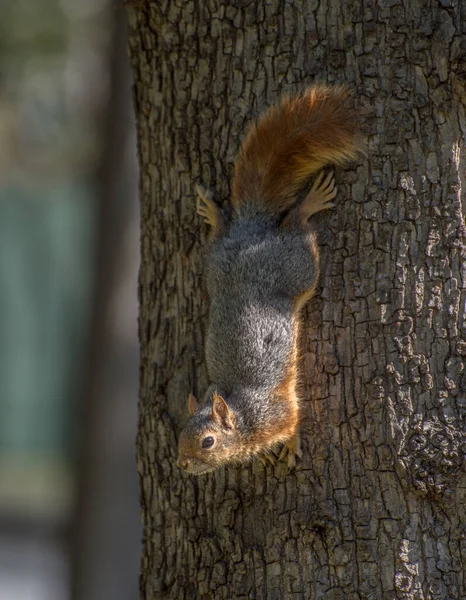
(320,196)
(268,457)
(291,450)
(208,209)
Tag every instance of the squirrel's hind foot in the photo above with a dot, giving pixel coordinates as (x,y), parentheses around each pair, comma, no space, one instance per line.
(291,450)
(207,209)
(320,197)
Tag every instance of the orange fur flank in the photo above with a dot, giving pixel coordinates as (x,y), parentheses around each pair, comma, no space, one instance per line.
(290,142)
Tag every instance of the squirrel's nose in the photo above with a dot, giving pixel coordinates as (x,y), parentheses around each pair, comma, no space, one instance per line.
(182,462)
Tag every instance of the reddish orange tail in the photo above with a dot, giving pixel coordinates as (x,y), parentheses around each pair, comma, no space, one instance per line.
(290,142)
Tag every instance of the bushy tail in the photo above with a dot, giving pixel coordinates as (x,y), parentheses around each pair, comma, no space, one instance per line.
(289,143)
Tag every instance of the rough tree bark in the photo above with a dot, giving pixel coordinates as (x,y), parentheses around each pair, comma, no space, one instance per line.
(376,508)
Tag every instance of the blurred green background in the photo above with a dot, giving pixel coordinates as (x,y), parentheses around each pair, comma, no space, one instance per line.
(69,525)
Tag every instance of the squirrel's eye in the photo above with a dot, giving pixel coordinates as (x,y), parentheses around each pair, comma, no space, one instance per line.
(208,442)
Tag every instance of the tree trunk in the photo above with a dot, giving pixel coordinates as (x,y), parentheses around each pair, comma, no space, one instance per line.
(376,508)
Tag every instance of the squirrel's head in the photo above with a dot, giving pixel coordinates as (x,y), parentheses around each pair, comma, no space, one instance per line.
(208,440)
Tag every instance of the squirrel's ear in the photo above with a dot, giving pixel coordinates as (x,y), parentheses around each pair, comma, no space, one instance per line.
(193,405)
(221,414)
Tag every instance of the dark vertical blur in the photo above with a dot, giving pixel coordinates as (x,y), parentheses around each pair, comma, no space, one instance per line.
(69,516)
(107,527)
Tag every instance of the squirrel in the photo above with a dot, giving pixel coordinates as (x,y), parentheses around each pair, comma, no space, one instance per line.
(263,266)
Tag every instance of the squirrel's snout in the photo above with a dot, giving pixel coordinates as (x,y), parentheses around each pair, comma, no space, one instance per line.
(183,463)
(193,466)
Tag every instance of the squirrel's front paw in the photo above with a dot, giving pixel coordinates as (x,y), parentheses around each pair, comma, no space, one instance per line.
(267,457)
(291,450)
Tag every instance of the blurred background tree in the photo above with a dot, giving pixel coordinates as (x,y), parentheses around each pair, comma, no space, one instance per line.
(68,263)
